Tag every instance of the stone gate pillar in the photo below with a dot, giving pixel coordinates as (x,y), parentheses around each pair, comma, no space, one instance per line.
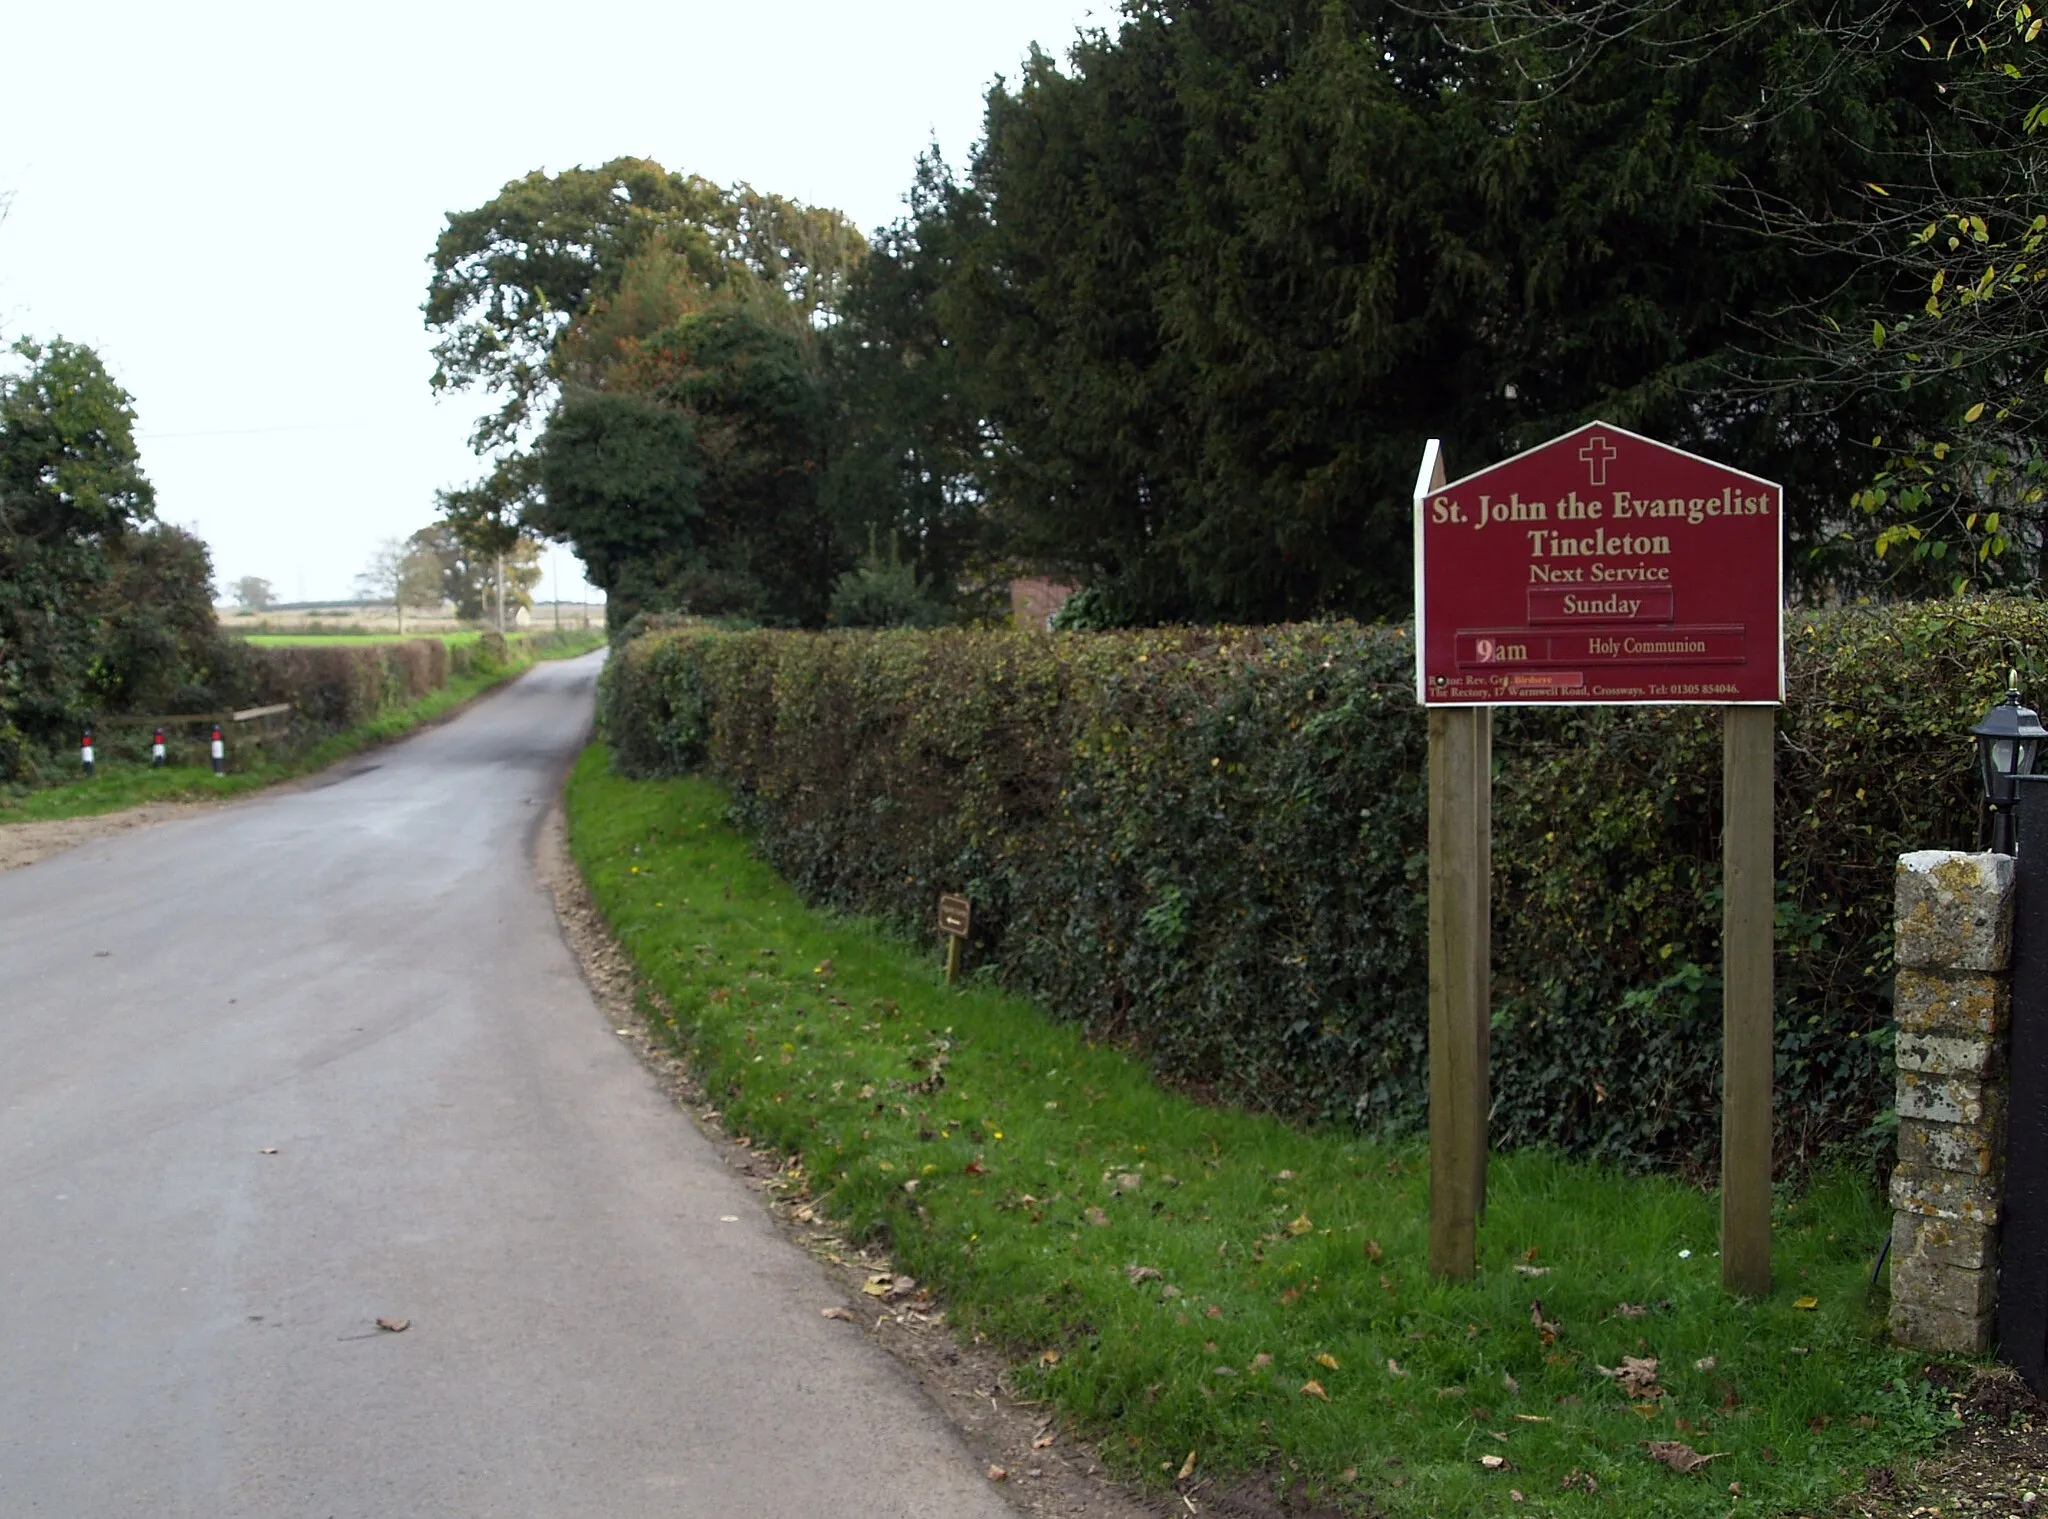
(1953,1004)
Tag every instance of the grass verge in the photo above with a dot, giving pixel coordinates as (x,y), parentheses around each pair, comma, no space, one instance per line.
(119,786)
(1180,1279)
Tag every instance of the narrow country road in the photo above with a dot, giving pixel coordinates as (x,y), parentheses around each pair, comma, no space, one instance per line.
(364,976)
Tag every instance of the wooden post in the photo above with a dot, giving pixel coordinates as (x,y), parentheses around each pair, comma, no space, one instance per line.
(956,922)
(1747,1017)
(1460,858)
(1482,931)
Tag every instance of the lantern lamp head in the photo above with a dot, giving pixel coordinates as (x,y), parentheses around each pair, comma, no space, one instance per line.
(2008,746)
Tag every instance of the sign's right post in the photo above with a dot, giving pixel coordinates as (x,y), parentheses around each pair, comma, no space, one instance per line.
(1747,1057)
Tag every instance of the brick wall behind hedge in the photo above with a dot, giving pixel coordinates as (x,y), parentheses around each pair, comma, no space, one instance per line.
(1211,843)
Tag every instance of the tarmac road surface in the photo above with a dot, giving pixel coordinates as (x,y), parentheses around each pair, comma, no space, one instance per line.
(364,976)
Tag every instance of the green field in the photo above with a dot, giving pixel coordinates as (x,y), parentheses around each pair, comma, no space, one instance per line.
(1190,1284)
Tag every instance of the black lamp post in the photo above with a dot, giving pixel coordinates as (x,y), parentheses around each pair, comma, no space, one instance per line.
(2008,745)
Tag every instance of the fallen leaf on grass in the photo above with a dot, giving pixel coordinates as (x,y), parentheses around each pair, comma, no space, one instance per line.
(394,1326)
(1300,1225)
(1680,1457)
(1261,1361)
(1630,1311)
(1048,1358)
(1325,1360)
(1314,1389)
(1284,1176)
(1098,1218)
(1533,1418)
(1579,1481)
(1372,1250)
(1808,1303)
(1394,1368)
(1187,1468)
(1138,1274)
(1507,1380)
(1704,1363)
(1549,1329)
(1639,1376)
(1534,1270)
(837,1313)
(1494,1463)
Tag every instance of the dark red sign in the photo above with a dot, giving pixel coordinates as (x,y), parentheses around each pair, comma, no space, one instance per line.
(1600,567)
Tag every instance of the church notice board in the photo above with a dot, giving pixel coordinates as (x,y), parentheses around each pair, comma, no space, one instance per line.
(1601,567)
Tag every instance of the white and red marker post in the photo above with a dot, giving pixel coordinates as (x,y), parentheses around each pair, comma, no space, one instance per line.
(156,750)
(220,752)
(85,752)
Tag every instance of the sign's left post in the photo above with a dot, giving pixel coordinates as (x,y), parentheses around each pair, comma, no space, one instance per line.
(1460,956)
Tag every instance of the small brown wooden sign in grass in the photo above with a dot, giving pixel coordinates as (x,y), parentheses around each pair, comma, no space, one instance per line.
(956,921)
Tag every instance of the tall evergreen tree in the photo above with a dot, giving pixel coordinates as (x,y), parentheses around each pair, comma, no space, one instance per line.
(1235,261)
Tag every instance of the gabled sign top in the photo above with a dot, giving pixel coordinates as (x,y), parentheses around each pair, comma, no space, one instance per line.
(1600,445)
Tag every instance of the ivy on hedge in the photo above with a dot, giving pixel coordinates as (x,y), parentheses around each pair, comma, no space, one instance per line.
(1211,844)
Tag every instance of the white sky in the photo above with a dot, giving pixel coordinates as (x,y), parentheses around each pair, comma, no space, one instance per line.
(235,204)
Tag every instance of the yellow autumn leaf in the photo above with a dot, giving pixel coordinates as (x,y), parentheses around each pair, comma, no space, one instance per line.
(1327,1361)
(1974,412)
(1301,1225)
(1806,1302)
(1314,1389)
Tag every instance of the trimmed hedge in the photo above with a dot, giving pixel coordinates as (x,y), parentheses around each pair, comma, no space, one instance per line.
(335,687)
(1211,844)
(340,687)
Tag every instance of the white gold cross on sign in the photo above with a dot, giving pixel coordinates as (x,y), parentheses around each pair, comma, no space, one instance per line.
(1597,454)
